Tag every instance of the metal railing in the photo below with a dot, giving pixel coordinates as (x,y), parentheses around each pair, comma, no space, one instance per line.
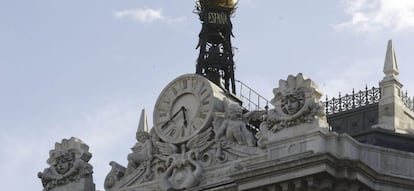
(250,98)
(355,100)
(408,101)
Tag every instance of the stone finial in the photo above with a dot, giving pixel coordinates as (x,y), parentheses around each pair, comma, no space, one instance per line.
(142,130)
(393,114)
(390,64)
(69,168)
(143,122)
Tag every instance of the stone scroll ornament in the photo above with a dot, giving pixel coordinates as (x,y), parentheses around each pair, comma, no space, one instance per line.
(68,163)
(296,101)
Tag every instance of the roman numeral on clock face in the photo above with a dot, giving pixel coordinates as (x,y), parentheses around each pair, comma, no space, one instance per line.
(184,83)
(181,86)
(205,100)
(172,131)
(202,115)
(199,87)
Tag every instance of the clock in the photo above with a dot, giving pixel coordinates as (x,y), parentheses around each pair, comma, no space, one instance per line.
(185,107)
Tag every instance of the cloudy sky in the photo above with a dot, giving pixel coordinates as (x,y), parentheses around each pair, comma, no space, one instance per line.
(87,68)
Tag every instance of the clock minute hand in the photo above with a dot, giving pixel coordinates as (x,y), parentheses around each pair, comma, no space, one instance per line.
(175,115)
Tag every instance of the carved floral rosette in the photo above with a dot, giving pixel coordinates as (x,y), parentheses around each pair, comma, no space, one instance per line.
(68,163)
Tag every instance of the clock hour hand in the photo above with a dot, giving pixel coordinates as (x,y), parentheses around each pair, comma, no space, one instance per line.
(182,109)
(185,119)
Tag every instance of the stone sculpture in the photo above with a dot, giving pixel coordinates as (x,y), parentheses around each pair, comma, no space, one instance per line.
(139,161)
(68,164)
(177,166)
(296,101)
(232,127)
(184,171)
(142,154)
(178,154)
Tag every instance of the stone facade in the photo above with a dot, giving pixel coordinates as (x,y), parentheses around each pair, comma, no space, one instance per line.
(203,139)
(294,150)
(328,161)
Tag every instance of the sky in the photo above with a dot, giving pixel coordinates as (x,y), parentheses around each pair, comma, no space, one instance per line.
(87,68)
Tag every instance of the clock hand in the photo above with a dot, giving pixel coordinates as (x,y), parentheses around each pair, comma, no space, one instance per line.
(185,119)
(175,115)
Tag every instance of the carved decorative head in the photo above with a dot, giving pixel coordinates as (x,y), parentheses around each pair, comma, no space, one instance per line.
(234,111)
(64,162)
(68,162)
(296,101)
(66,152)
(142,136)
(142,132)
(292,102)
(292,94)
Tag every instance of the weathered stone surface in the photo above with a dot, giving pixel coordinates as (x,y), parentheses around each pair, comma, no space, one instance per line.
(83,184)
(393,114)
(69,168)
(204,130)
(296,103)
(326,153)
(295,150)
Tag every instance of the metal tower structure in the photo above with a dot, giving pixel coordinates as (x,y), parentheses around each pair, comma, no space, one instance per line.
(215,60)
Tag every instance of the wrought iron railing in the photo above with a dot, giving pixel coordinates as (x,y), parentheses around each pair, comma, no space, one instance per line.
(251,99)
(408,101)
(355,100)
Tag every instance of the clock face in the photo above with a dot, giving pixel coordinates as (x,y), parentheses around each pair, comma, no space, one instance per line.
(183,108)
